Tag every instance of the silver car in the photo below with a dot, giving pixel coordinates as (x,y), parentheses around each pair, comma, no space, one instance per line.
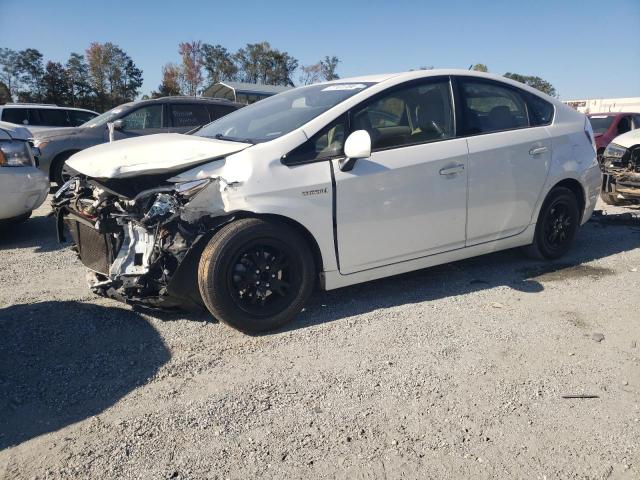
(23,187)
(145,117)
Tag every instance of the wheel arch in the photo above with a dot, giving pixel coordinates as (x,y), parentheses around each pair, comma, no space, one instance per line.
(62,155)
(578,190)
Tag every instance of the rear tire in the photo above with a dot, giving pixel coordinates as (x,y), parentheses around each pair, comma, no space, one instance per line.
(256,275)
(557,225)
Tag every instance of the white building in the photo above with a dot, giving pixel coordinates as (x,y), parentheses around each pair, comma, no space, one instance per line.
(603,105)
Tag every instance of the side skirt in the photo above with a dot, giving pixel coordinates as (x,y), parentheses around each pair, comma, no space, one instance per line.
(335,279)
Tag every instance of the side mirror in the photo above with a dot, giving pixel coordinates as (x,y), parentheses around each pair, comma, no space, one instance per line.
(118,124)
(358,145)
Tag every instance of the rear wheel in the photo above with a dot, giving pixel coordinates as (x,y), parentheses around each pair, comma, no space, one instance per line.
(256,275)
(557,225)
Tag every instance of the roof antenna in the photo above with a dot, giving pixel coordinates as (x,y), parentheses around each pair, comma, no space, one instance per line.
(470,67)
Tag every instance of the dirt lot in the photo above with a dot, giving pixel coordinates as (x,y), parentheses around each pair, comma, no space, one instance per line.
(454,372)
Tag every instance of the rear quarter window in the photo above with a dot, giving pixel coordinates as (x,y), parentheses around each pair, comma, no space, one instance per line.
(540,111)
(16,115)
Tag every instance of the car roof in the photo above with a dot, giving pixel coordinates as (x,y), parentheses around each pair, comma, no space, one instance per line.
(186,99)
(611,114)
(45,106)
(417,74)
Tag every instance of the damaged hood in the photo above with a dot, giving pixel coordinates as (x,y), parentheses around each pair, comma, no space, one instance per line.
(150,154)
(628,139)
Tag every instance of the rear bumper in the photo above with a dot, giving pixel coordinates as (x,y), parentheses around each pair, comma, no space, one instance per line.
(22,189)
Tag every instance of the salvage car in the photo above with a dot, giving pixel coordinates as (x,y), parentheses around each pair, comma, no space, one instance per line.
(607,126)
(23,187)
(37,116)
(144,117)
(621,170)
(331,184)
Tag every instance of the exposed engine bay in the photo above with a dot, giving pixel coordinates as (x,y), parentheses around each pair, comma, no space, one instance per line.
(141,246)
(621,176)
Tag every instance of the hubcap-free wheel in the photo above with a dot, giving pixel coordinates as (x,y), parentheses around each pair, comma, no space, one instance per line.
(256,274)
(557,225)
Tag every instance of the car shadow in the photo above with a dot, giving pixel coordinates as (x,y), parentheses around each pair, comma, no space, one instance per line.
(603,236)
(37,232)
(64,361)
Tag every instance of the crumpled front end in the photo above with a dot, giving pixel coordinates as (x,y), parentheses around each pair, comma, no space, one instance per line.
(621,175)
(142,248)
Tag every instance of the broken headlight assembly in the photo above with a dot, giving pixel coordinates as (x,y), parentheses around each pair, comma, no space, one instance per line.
(614,152)
(16,154)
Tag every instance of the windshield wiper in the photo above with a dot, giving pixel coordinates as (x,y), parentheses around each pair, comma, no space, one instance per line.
(220,136)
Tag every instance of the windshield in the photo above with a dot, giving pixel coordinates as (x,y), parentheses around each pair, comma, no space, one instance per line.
(105,117)
(601,123)
(278,115)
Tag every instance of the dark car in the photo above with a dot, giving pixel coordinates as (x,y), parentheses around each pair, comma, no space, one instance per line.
(144,117)
(607,126)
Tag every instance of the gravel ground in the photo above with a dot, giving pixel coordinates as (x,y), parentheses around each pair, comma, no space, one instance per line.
(457,371)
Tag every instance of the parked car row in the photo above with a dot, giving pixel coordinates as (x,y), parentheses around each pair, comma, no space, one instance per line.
(330,184)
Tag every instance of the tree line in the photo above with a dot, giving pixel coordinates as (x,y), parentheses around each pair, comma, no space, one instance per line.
(101,78)
(531,80)
(105,75)
(203,64)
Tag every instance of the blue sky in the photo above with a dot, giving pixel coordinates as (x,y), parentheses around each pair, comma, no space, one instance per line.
(584,48)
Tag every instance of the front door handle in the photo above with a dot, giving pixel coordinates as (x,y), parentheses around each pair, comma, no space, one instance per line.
(537,150)
(452,170)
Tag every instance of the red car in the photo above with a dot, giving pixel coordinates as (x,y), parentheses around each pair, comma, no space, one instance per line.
(607,126)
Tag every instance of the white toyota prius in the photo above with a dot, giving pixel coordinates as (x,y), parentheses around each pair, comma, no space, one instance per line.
(330,184)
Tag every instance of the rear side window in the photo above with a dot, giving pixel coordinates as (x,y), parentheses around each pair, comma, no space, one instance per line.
(50,117)
(78,117)
(16,115)
(489,107)
(217,111)
(540,111)
(185,115)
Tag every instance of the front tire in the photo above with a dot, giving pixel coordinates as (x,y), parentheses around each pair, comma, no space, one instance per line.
(57,170)
(256,275)
(557,225)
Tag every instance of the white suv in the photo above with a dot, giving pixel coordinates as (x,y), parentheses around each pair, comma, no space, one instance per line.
(37,116)
(334,183)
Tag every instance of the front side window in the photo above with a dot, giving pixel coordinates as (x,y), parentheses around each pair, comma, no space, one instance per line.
(327,143)
(185,115)
(407,116)
(624,125)
(489,107)
(78,117)
(144,118)
(280,114)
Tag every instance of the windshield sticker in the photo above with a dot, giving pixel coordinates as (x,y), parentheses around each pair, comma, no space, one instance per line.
(345,86)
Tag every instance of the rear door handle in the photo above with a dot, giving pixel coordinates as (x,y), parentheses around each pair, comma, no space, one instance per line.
(452,170)
(538,150)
